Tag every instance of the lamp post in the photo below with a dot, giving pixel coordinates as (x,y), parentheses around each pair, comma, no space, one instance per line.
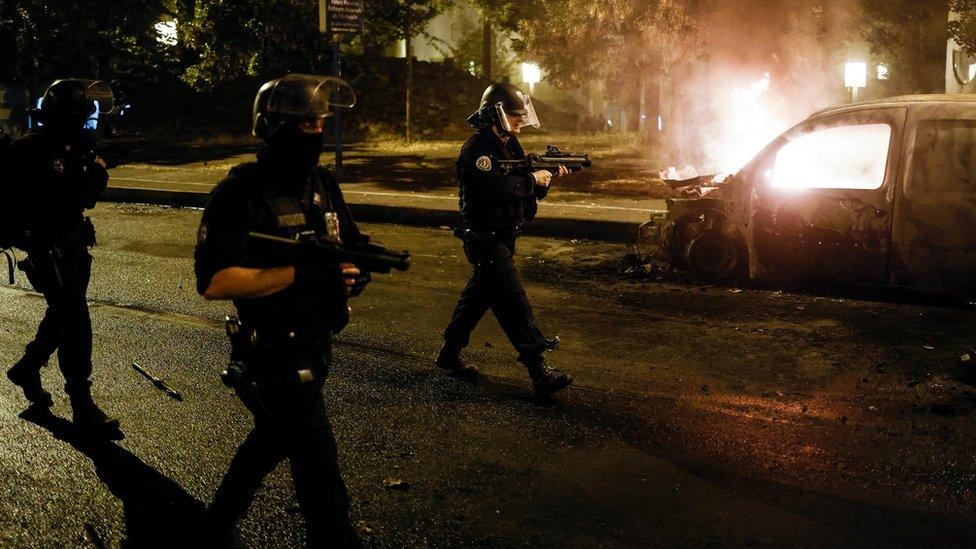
(855,77)
(531,75)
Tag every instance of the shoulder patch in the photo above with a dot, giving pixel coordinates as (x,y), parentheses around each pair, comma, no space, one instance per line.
(483,163)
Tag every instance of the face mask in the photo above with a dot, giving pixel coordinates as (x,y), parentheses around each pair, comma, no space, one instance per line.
(296,148)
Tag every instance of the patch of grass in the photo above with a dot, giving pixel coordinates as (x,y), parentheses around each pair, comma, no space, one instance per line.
(598,145)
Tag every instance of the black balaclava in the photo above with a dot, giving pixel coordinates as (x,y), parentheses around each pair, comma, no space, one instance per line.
(297,151)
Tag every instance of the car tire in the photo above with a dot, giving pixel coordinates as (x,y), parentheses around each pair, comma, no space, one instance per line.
(714,256)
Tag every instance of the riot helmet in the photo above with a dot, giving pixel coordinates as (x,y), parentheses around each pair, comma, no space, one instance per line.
(72,102)
(500,102)
(296,98)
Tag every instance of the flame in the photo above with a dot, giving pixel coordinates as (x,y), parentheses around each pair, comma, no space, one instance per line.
(751,126)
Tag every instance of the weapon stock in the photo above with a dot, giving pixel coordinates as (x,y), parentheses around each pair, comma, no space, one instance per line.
(551,160)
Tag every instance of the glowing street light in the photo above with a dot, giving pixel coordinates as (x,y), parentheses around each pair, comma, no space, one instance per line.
(855,77)
(531,75)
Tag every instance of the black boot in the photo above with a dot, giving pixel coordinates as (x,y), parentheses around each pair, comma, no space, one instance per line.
(449,358)
(28,378)
(87,416)
(546,379)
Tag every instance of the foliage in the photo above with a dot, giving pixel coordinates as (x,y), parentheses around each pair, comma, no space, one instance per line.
(619,41)
(391,20)
(235,39)
(910,37)
(963,30)
(42,40)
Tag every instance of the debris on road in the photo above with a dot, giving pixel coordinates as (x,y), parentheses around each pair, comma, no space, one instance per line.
(396,484)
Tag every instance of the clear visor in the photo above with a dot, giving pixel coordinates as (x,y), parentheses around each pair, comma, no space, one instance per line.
(319,95)
(101,94)
(515,119)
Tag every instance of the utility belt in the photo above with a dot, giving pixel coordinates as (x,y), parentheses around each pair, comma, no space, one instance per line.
(251,341)
(70,243)
(259,353)
(489,236)
(53,264)
(487,246)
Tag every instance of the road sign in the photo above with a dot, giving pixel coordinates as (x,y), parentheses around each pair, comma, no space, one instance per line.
(344,16)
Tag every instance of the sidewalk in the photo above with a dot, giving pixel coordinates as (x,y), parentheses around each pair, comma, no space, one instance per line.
(565,214)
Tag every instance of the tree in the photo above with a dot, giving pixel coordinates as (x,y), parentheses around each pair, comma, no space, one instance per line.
(624,43)
(963,30)
(44,40)
(910,37)
(393,20)
(236,39)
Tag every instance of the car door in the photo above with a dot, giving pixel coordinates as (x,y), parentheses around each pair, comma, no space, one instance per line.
(821,209)
(934,229)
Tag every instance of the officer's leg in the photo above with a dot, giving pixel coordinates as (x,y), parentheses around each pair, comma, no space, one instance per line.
(470,308)
(256,457)
(511,308)
(26,372)
(314,462)
(45,343)
(75,350)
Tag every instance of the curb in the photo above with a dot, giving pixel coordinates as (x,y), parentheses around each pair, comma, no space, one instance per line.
(553,227)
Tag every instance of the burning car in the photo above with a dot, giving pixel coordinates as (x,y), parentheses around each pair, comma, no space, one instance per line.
(879,193)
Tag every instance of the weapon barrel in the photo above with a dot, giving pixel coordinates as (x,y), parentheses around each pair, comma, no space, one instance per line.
(369,257)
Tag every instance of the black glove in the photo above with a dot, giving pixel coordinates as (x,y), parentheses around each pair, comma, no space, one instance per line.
(362,280)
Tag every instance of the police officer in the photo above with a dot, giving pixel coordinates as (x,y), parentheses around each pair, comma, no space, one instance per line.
(56,176)
(495,203)
(288,307)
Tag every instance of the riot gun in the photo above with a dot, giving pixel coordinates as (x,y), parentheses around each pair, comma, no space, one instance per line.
(366,256)
(551,161)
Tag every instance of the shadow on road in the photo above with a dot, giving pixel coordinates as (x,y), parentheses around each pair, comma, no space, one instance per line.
(157,509)
(402,172)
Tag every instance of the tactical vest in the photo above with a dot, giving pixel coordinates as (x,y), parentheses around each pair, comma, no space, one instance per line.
(288,216)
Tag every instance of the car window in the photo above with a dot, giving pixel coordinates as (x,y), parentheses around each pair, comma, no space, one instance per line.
(944,159)
(838,157)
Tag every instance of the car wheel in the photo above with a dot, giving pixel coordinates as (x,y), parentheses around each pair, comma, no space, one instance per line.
(714,256)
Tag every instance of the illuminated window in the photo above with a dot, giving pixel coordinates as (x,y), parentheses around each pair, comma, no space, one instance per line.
(944,159)
(841,157)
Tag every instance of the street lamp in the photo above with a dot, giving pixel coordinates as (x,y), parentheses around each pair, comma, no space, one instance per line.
(531,75)
(855,77)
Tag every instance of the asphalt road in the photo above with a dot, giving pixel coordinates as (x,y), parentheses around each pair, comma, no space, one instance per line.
(701,415)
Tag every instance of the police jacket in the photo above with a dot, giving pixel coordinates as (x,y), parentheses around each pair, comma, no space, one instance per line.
(272,198)
(491,197)
(52,183)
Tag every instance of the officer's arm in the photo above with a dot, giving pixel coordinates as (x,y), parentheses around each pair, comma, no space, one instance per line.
(246,283)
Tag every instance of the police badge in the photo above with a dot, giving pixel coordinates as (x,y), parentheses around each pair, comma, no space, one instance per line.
(483,163)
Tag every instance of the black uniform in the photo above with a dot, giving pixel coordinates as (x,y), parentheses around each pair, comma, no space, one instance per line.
(494,205)
(55,182)
(291,356)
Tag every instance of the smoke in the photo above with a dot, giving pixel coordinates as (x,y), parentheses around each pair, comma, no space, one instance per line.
(770,64)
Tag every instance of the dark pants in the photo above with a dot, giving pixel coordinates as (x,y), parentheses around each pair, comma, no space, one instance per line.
(62,276)
(289,422)
(495,285)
